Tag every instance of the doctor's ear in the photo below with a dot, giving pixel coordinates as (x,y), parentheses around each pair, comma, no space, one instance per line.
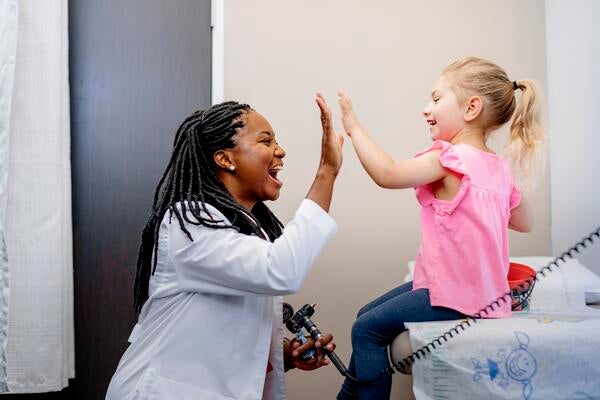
(473,108)
(223,160)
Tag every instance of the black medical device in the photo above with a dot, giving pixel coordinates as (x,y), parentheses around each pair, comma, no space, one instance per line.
(301,319)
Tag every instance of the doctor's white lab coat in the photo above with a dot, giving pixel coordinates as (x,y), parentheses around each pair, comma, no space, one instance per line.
(213,319)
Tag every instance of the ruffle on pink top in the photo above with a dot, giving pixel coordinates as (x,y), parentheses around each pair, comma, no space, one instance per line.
(463,258)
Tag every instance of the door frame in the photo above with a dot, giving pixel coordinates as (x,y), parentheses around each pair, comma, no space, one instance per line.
(217,18)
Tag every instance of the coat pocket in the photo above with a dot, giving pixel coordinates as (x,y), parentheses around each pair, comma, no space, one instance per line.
(155,387)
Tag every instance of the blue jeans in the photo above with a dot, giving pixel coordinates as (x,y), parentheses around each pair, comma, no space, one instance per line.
(376,326)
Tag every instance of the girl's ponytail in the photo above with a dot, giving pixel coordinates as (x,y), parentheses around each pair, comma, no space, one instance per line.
(526,144)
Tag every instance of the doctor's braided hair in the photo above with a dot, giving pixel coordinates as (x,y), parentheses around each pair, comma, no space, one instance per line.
(191,182)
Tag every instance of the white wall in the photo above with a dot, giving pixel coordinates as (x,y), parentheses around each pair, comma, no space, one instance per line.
(573,52)
(387,54)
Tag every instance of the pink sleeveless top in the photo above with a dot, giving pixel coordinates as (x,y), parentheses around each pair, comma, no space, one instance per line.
(463,258)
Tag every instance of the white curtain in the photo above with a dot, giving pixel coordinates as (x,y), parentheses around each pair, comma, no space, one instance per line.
(8,50)
(35,193)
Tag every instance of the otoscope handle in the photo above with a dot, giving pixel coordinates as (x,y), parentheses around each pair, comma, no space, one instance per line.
(337,362)
(316,334)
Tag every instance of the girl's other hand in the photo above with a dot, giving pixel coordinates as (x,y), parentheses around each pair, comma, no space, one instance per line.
(349,119)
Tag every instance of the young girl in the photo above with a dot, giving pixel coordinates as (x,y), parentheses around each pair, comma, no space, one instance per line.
(468,201)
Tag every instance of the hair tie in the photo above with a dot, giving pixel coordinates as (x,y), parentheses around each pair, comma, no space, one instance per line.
(515,85)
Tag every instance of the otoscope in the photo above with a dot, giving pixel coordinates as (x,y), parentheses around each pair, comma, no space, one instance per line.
(301,319)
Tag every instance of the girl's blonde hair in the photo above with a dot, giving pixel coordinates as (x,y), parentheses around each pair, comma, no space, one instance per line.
(475,76)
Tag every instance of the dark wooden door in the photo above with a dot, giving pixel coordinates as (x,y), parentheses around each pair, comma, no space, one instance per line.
(137,69)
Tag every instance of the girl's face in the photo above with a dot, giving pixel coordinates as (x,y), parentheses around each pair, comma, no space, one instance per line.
(257,158)
(444,114)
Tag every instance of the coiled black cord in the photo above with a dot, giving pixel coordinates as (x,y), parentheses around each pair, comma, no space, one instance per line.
(407,362)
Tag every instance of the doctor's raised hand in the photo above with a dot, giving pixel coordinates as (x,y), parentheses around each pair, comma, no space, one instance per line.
(214,262)
(331,158)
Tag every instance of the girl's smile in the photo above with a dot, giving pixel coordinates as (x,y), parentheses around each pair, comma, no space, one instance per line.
(443,114)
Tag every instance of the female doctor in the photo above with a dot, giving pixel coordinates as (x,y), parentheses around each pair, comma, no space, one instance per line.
(214,261)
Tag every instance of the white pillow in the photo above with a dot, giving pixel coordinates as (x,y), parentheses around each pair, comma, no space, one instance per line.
(574,270)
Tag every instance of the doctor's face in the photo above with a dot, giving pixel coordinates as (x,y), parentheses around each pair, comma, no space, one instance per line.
(257,158)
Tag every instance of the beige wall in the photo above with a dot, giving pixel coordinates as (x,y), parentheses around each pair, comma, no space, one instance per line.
(387,55)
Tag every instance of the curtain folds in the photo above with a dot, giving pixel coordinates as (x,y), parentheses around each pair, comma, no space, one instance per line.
(9,14)
(35,192)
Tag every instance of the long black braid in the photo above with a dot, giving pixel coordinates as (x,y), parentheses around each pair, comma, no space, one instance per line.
(191,181)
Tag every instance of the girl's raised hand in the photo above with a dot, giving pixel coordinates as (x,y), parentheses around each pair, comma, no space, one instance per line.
(349,119)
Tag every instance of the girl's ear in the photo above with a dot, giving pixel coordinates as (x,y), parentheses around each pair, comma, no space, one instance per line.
(474,107)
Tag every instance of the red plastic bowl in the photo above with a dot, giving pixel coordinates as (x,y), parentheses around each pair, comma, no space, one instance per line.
(518,274)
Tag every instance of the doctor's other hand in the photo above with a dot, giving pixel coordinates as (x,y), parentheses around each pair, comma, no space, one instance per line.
(292,353)
(332,143)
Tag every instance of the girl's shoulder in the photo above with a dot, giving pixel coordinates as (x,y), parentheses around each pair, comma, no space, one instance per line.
(448,156)
(436,145)
(485,162)
(466,159)
(479,153)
